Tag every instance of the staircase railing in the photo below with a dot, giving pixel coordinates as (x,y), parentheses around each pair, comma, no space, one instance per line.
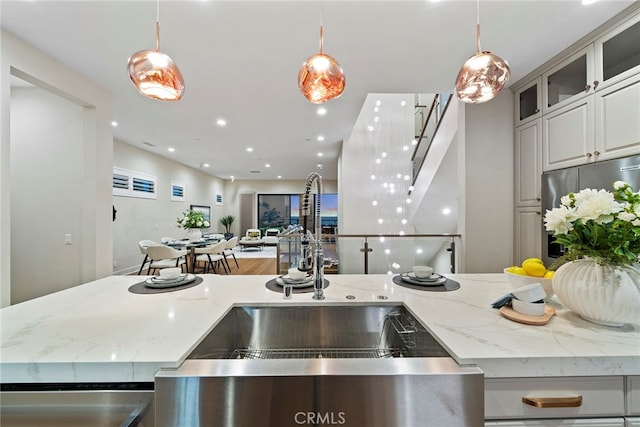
(428,130)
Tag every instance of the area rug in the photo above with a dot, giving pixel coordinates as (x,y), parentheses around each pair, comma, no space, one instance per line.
(266,252)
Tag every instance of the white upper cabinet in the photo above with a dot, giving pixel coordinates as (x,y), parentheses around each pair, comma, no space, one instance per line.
(569,80)
(528,102)
(617,53)
(528,167)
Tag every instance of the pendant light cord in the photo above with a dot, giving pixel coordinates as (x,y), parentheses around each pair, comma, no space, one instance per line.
(158,25)
(321,28)
(478,25)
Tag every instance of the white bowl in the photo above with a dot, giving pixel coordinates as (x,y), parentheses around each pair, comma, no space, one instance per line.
(529,293)
(529,308)
(422,271)
(296,274)
(170,273)
(518,281)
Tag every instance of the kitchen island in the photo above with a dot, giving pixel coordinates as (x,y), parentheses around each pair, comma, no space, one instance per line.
(101,332)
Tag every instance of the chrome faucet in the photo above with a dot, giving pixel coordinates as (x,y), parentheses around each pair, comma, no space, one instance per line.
(307,261)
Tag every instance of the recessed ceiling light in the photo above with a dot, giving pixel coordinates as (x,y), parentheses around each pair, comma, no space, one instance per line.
(321,111)
(320,154)
(233,178)
(249,149)
(414,142)
(378,103)
(373,177)
(408,201)
(320,138)
(267,165)
(370,128)
(171,149)
(279,176)
(221,122)
(374,203)
(376,109)
(376,119)
(114,123)
(205,165)
(446,211)
(319,165)
(403,103)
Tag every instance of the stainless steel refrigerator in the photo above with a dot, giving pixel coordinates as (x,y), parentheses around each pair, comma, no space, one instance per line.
(600,175)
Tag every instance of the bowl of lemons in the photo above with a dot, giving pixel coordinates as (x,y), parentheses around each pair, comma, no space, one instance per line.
(532,270)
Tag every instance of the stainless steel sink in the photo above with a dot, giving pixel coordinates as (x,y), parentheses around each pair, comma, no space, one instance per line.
(281,365)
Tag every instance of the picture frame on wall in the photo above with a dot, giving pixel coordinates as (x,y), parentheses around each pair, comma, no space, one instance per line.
(218,199)
(206,210)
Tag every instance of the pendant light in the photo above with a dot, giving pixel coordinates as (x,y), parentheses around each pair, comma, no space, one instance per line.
(483,75)
(154,73)
(321,78)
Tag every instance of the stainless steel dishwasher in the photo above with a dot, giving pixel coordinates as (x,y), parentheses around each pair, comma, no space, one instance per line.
(351,365)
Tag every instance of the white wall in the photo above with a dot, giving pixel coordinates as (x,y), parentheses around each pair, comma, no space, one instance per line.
(151,219)
(46,177)
(487,191)
(93,217)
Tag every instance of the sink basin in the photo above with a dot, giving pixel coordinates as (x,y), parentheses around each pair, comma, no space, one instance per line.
(290,365)
(293,332)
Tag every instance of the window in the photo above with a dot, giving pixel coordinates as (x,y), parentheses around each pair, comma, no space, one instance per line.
(133,184)
(177,191)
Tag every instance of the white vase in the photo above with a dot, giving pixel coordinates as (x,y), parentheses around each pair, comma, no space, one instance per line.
(194,234)
(603,294)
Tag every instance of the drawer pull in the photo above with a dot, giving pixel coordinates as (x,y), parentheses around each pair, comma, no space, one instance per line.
(553,402)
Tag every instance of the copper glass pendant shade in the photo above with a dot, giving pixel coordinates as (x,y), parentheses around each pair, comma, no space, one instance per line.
(154,74)
(321,78)
(483,76)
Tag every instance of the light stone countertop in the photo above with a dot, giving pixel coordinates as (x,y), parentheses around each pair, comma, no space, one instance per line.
(99,331)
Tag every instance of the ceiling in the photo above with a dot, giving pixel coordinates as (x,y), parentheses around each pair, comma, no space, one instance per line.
(240,61)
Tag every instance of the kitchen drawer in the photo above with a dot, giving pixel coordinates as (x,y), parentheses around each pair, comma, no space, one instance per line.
(600,397)
(590,422)
(633,395)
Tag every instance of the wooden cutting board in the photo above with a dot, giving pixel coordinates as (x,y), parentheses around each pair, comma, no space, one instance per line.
(511,314)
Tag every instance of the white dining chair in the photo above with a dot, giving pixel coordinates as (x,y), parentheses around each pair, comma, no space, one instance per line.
(212,256)
(143,245)
(229,250)
(165,257)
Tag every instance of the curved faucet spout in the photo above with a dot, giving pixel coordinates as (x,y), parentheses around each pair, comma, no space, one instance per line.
(307,261)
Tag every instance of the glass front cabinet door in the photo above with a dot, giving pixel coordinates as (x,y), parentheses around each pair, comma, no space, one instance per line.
(528,101)
(569,81)
(617,53)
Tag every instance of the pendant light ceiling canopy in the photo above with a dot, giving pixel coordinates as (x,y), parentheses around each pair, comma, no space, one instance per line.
(154,74)
(321,78)
(483,75)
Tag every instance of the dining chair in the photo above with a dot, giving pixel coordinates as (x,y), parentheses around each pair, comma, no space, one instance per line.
(143,245)
(165,257)
(212,256)
(229,250)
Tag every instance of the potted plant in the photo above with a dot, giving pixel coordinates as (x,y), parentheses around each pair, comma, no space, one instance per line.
(227,220)
(601,232)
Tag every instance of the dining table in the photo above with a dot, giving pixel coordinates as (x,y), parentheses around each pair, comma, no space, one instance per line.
(191,245)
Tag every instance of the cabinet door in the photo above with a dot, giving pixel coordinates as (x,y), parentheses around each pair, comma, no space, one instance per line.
(568,135)
(568,81)
(528,149)
(528,102)
(527,234)
(618,119)
(632,422)
(595,422)
(617,53)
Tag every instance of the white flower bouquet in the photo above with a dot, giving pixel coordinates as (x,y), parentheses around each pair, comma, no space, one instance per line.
(599,224)
(193,219)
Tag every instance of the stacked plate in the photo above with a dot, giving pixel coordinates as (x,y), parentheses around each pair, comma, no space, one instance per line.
(158,282)
(295,283)
(433,280)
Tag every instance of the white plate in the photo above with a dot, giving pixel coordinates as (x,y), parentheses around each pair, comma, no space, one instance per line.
(157,282)
(307,281)
(159,279)
(434,280)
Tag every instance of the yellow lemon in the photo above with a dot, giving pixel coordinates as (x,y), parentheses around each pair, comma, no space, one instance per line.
(517,270)
(534,268)
(549,274)
(538,260)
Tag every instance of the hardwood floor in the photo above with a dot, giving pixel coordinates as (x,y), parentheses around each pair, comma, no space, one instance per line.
(248,266)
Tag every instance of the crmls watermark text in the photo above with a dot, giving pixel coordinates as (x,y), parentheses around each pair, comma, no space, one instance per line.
(319,418)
